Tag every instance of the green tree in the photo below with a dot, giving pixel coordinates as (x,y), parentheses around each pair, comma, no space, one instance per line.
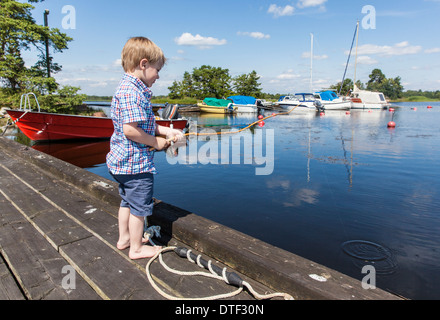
(347,87)
(19,32)
(376,80)
(391,88)
(205,81)
(211,82)
(248,85)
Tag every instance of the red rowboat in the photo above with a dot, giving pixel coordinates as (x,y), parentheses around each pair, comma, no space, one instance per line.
(43,126)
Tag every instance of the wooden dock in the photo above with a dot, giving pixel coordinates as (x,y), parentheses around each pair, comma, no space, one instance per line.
(58,231)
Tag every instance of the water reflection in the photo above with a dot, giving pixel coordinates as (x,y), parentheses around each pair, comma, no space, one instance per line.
(84,154)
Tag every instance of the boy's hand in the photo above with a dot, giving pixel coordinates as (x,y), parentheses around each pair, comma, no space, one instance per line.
(175,135)
(161,144)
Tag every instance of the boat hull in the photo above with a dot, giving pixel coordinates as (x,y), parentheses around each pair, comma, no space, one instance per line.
(216,109)
(344,105)
(361,105)
(42,126)
(298,105)
(246,108)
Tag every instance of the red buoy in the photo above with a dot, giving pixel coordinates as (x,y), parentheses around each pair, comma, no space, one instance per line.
(347,112)
(322,114)
(391,109)
(260,117)
(261,124)
(391,124)
(415,108)
(429,107)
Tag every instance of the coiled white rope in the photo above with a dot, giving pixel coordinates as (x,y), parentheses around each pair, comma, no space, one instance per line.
(211,274)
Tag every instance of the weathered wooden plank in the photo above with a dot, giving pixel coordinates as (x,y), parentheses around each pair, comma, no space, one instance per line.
(83,211)
(112,275)
(36,265)
(9,290)
(52,223)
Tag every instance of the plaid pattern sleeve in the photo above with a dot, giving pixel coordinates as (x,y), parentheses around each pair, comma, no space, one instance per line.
(131,103)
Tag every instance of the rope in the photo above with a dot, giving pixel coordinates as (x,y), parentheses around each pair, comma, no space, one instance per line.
(225,276)
(9,124)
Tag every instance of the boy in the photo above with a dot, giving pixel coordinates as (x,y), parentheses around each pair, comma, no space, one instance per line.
(130,160)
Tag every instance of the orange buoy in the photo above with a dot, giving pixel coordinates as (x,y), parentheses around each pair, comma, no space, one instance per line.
(391,124)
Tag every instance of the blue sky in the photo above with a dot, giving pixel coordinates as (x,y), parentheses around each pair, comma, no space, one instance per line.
(272,37)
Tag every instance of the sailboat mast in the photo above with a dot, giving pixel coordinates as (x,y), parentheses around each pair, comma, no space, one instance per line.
(355,61)
(311,63)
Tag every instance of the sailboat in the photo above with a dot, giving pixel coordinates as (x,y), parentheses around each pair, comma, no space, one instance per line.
(364,99)
(326,100)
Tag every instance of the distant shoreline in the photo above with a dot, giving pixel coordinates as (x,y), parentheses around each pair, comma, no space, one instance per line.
(190,101)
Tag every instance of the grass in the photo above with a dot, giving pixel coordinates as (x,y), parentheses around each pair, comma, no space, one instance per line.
(415,99)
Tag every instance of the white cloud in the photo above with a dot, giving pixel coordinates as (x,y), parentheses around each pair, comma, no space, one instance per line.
(366,60)
(399,49)
(288,75)
(280,11)
(256,35)
(310,3)
(187,39)
(315,57)
(433,50)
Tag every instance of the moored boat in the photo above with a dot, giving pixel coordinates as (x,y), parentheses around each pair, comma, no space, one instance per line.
(331,101)
(213,105)
(44,126)
(363,99)
(244,104)
(303,101)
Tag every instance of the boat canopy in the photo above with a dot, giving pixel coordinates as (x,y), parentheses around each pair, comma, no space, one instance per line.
(217,102)
(328,95)
(243,99)
(304,97)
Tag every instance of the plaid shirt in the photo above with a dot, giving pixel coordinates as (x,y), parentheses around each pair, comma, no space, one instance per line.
(131,103)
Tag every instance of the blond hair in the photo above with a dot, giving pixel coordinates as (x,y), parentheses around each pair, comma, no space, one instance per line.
(138,48)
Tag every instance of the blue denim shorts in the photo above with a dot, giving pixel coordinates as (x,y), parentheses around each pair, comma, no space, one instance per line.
(136,192)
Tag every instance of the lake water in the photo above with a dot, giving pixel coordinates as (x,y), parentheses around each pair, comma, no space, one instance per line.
(342,190)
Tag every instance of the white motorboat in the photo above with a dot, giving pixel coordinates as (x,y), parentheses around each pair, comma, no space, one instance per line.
(303,101)
(331,101)
(363,99)
(244,104)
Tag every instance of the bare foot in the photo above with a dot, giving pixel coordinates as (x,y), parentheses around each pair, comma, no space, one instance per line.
(125,244)
(144,252)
